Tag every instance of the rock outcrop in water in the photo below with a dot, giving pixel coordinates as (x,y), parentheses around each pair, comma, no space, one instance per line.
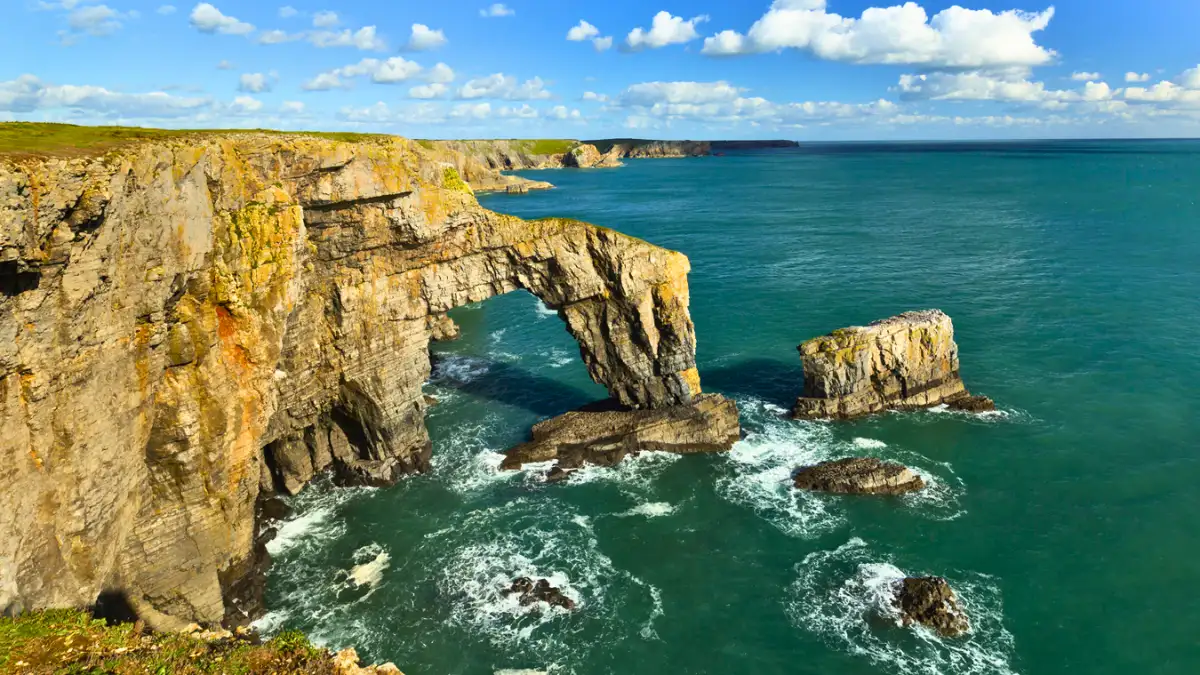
(604,434)
(905,362)
(529,592)
(930,602)
(187,324)
(858,475)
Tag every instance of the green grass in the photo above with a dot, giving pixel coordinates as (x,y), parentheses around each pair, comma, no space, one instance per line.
(550,146)
(71,641)
(32,139)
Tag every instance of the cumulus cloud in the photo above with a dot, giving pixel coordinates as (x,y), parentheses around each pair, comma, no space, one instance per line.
(245,104)
(497,9)
(665,29)
(287,12)
(274,37)
(388,71)
(1085,77)
(562,112)
(28,94)
(440,74)
(291,107)
(651,93)
(1137,77)
(95,20)
(166,10)
(593,96)
(582,32)
(431,90)
(208,19)
(503,86)
(325,19)
(366,38)
(424,38)
(1164,93)
(902,34)
(1012,86)
(254,83)
(1191,78)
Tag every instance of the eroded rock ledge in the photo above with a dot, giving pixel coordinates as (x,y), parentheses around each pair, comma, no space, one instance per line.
(188,324)
(904,362)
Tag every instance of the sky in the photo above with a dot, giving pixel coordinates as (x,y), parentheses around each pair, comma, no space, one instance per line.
(672,69)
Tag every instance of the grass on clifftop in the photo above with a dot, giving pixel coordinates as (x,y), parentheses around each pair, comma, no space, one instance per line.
(31,139)
(71,641)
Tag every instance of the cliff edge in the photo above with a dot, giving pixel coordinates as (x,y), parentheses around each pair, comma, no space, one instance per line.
(189,323)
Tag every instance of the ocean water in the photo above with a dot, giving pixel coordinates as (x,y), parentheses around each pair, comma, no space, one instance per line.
(1066,522)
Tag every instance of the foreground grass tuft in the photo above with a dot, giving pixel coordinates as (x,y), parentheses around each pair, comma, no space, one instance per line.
(71,641)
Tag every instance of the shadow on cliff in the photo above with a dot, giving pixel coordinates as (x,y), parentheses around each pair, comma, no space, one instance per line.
(772,381)
(514,386)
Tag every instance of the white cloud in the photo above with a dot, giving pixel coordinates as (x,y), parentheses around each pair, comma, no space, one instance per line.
(27,94)
(504,86)
(424,38)
(440,74)
(292,107)
(1191,78)
(365,38)
(224,65)
(274,37)
(479,111)
(1085,77)
(287,12)
(602,43)
(427,91)
(254,82)
(593,96)
(1164,93)
(902,34)
(665,29)
(166,10)
(650,93)
(208,19)
(1012,86)
(389,71)
(95,20)
(245,104)
(582,32)
(380,113)
(496,10)
(1136,77)
(325,19)
(561,112)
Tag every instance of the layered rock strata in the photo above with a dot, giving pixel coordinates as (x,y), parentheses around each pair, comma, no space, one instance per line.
(930,602)
(604,434)
(188,324)
(858,475)
(905,362)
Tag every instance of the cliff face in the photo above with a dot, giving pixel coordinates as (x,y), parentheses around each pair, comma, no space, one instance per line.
(187,324)
(907,361)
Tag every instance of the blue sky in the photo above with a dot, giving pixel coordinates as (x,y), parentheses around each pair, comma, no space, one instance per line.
(801,69)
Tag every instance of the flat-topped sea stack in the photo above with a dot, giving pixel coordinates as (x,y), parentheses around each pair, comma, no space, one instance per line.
(906,362)
(193,321)
(605,433)
(858,475)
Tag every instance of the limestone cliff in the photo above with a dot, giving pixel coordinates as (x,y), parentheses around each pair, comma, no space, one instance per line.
(906,361)
(186,324)
(494,156)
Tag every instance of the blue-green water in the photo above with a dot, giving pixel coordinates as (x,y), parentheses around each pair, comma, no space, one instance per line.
(1067,523)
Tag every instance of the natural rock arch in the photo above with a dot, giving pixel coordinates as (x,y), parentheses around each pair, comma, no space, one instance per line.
(216,318)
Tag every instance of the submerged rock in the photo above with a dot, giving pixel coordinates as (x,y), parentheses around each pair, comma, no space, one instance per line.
(532,592)
(973,404)
(859,475)
(904,362)
(931,602)
(603,434)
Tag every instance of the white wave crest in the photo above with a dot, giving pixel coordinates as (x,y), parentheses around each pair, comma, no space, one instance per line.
(869,443)
(459,368)
(649,510)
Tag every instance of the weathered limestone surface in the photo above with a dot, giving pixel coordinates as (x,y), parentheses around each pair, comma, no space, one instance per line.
(186,325)
(604,435)
(858,475)
(586,156)
(930,602)
(907,361)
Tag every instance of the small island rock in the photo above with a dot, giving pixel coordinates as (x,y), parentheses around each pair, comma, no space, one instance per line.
(931,602)
(532,592)
(859,475)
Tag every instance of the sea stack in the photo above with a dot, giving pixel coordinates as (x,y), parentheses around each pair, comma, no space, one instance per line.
(931,602)
(905,362)
(859,475)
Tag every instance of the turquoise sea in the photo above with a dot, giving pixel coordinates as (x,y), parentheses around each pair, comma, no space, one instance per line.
(1067,522)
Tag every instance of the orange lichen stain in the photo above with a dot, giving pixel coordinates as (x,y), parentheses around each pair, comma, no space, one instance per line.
(37,461)
(691,377)
(227,331)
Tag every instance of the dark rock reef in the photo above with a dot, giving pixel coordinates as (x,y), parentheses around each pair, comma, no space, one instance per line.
(858,475)
(930,602)
(904,362)
(604,434)
(531,593)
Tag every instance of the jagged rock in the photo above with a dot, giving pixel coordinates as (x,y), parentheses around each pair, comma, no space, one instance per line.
(907,361)
(972,404)
(603,434)
(346,662)
(531,592)
(442,328)
(187,323)
(586,156)
(858,475)
(931,602)
(558,474)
